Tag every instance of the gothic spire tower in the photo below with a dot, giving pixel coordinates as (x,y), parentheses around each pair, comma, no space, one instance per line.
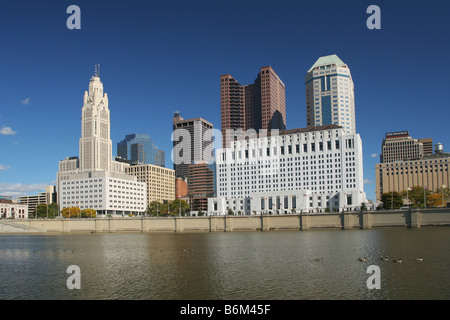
(95,142)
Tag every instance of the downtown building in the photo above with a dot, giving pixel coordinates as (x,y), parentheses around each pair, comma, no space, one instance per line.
(406,162)
(95,180)
(192,156)
(10,209)
(399,146)
(140,149)
(330,96)
(190,137)
(160,181)
(314,169)
(261,105)
(32,201)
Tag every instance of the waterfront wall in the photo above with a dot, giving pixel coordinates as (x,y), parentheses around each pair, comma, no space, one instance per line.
(346,220)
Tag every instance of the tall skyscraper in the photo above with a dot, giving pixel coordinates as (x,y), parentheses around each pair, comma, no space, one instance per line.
(140,149)
(96,181)
(261,105)
(95,142)
(330,94)
(190,141)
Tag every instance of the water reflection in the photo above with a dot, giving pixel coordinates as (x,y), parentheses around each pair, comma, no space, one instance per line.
(237,265)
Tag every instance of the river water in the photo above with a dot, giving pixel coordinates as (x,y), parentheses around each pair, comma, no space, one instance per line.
(278,265)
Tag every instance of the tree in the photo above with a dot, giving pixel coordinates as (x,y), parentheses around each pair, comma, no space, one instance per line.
(392,200)
(417,196)
(444,192)
(44,211)
(363,206)
(230,212)
(71,212)
(434,200)
(154,208)
(88,213)
(179,205)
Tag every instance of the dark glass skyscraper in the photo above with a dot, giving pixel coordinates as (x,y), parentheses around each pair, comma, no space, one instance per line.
(140,149)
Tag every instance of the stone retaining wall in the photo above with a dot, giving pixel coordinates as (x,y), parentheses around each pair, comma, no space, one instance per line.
(347,220)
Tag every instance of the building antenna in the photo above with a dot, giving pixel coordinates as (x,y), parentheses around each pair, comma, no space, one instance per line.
(97,70)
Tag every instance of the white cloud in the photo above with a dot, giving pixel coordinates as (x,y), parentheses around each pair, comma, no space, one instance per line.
(19,189)
(367,181)
(26,101)
(374,155)
(3,167)
(7,131)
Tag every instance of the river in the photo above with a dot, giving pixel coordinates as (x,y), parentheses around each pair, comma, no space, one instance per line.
(275,265)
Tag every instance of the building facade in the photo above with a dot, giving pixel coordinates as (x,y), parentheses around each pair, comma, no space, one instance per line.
(12,210)
(140,149)
(160,182)
(429,171)
(181,190)
(200,185)
(261,105)
(322,163)
(106,192)
(95,141)
(95,180)
(330,96)
(190,137)
(399,146)
(48,197)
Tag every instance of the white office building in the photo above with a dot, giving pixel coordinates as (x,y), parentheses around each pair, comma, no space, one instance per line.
(330,96)
(290,171)
(106,192)
(12,210)
(95,180)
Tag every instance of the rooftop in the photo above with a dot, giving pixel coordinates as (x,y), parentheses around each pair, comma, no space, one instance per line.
(327,60)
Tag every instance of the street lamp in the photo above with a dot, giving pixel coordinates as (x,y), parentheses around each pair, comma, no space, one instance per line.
(424,198)
(443,187)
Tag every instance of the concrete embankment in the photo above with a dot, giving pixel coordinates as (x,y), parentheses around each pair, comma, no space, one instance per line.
(346,220)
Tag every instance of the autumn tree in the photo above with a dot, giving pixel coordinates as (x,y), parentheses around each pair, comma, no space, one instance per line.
(71,212)
(444,192)
(434,200)
(88,213)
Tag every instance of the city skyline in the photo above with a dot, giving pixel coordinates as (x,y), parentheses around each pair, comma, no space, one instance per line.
(156,61)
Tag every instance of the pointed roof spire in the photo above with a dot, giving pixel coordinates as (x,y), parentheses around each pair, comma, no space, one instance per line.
(97,70)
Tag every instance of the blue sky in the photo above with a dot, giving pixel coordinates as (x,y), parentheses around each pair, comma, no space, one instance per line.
(157,57)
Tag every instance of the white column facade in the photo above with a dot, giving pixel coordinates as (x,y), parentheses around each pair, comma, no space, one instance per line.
(322,164)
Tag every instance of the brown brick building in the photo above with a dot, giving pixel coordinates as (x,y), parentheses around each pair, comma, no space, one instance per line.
(261,105)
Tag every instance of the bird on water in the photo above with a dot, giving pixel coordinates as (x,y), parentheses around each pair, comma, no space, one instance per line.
(362,259)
